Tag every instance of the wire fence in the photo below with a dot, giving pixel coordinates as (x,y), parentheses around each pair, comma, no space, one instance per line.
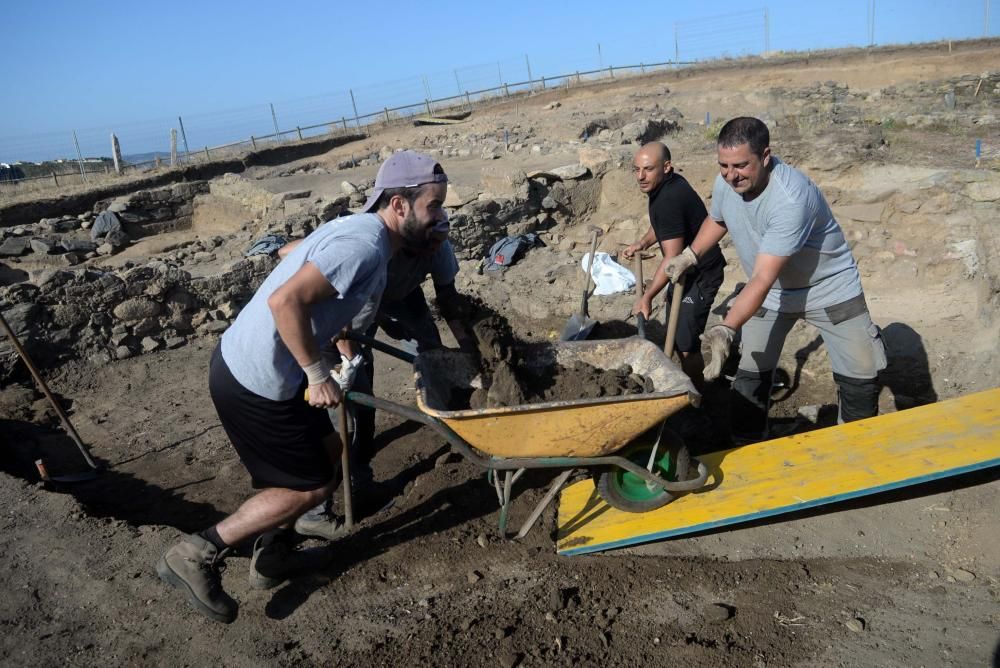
(229,133)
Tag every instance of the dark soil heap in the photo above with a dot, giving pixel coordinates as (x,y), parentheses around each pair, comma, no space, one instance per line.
(513,381)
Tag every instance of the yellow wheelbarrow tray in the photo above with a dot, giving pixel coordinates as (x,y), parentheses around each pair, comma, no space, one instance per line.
(581,433)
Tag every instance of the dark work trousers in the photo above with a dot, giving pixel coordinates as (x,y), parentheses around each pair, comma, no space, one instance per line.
(853,342)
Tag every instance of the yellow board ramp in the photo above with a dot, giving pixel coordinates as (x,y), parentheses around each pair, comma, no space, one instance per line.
(802,471)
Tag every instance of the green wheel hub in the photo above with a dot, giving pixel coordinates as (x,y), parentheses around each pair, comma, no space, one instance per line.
(627,491)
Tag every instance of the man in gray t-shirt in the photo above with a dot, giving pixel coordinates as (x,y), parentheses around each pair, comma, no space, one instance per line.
(799,266)
(270,356)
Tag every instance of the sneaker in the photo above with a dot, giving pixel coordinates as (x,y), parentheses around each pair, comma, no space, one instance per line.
(194,566)
(274,560)
(325,525)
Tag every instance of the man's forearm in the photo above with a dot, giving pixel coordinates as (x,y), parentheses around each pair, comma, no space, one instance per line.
(648,239)
(747,302)
(709,235)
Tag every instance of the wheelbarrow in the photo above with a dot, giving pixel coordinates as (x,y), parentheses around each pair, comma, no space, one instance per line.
(600,434)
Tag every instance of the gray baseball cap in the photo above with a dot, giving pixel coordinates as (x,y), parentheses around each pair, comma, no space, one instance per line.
(405,169)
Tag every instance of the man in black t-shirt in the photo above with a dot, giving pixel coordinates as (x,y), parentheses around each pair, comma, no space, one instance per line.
(675,216)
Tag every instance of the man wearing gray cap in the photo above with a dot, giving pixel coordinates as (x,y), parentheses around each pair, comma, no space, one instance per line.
(271,354)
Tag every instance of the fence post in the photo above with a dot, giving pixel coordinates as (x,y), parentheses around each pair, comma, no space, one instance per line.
(79,157)
(458,83)
(116,153)
(642,68)
(506,91)
(299,130)
(578,77)
(468,101)
(356,121)
(677,47)
(344,121)
(207,156)
(543,82)
(55,178)
(157,161)
(173,147)
(253,142)
(611,71)
(386,110)
(187,151)
(528,63)
(428,105)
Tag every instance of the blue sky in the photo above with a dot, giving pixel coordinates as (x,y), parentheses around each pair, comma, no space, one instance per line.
(134,67)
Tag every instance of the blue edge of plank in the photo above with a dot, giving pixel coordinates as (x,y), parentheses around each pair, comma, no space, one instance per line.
(705,526)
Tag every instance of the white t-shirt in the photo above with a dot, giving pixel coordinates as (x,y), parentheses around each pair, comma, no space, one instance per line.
(352,255)
(790,219)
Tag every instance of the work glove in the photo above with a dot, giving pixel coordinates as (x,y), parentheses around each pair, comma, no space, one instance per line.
(344,377)
(680,263)
(719,339)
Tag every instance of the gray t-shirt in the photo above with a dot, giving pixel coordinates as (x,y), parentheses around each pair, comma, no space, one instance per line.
(790,219)
(405,273)
(352,255)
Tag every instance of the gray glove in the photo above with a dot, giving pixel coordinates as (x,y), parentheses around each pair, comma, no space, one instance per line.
(719,339)
(680,263)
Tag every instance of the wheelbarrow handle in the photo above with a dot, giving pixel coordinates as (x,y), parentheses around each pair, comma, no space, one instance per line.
(380,346)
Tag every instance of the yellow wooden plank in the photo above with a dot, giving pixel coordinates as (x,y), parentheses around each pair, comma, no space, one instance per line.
(801,471)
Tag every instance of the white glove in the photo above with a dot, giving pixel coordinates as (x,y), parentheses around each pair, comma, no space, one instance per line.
(680,263)
(348,372)
(719,339)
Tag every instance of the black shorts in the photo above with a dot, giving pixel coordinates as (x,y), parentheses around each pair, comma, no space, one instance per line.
(695,307)
(279,442)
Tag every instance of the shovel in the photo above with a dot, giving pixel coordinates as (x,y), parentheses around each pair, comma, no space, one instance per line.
(89,474)
(579,324)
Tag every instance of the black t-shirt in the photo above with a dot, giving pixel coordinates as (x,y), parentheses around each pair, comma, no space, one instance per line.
(676,211)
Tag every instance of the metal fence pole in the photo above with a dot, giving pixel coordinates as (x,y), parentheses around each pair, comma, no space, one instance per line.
(173,147)
(299,130)
(253,142)
(274,117)
(184,136)
(356,121)
(458,83)
(528,64)
(677,47)
(79,157)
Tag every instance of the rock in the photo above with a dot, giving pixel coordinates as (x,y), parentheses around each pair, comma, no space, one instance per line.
(137,308)
(71,259)
(984,191)
(569,172)
(214,327)
(105,249)
(203,256)
(962,575)
(481,540)
(78,245)
(348,188)
(14,247)
(473,577)
(597,160)
(857,625)
(43,246)
(492,151)
(117,238)
(865,213)
(510,659)
(553,105)
(549,204)
(295,194)
(149,344)
(107,222)
(447,458)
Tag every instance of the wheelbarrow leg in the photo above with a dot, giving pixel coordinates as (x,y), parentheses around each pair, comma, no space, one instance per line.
(557,484)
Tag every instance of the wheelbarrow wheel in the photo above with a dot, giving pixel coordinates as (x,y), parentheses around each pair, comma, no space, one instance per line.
(626,491)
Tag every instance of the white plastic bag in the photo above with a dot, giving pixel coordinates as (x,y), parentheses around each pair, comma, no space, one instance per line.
(609,276)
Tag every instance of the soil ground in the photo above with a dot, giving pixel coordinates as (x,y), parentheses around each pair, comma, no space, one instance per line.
(904,579)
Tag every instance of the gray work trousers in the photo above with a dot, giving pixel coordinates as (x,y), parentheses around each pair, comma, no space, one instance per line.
(853,343)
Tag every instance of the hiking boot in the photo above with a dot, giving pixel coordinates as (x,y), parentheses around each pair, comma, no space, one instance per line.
(274,560)
(194,566)
(325,525)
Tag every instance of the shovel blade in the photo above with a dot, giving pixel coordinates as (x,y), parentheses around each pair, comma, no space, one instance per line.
(577,328)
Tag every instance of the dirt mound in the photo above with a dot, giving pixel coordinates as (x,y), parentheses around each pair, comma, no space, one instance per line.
(511,379)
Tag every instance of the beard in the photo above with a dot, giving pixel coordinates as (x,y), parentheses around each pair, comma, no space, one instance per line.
(416,236)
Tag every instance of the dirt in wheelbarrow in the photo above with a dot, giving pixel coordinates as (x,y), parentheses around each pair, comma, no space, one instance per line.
(511,380)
